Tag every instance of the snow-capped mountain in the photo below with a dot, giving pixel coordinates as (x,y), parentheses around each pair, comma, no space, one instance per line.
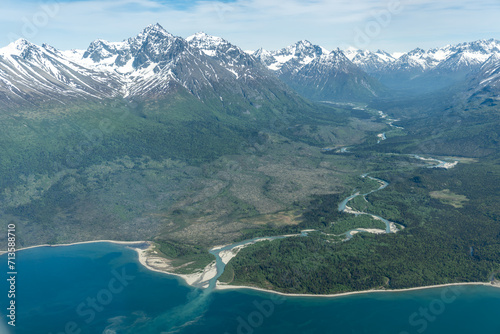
(330,77)
(30,73)
(291,58)
(467,55)
(425,70)
(154,45)
(484,86)
(155,63)
(230,56)
(319,74)
(152,64)
(490,72)
(417,60)
(369,61)
(452,57)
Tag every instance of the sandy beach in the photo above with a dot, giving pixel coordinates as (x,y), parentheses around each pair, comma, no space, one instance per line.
(236,287)
(150,259)
(81,243)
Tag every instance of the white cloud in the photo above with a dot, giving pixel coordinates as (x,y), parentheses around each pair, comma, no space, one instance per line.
(268,23)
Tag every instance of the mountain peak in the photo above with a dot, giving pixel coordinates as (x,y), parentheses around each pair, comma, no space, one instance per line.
(153,30)
(416,51)
(212,46)
(198,35)
(203,37)
(334,57)
(101,49)
(16,48)
(304,42)
(262,51)
(301,53)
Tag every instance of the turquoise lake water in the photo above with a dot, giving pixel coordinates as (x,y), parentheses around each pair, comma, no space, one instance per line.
(101,288)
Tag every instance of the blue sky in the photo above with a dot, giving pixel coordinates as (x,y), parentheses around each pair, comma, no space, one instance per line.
(392,25)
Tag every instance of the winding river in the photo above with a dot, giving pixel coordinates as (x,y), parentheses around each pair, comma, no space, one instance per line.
(343,207)
(390,227)
(220,264)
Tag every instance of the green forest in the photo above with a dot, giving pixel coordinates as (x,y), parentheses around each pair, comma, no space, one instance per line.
(451,234)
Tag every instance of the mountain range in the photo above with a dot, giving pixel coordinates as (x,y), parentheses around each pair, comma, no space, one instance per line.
(422,71)
(155,64)
(319,74)
(415,72)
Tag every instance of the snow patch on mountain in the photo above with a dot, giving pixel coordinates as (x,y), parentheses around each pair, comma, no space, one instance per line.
(15,48)
(297,55)
(450,57)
